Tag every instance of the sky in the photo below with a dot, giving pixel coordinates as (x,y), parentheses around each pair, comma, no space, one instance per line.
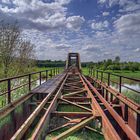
(97,29)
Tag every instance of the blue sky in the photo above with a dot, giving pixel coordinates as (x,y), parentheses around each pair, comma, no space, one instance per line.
(97,29)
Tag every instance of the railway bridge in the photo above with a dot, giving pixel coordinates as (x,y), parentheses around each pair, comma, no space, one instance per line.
(67,105)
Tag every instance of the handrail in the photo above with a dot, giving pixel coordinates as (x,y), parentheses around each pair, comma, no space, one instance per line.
(99,74)
(24,75)
(134,79)
(8,82)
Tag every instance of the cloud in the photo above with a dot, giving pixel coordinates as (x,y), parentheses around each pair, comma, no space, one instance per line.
(55,29)
(99,25)
(74,22)
(63,2)
(128,24)
(129,6)
(110,3)
(105,13)
(90,48)
(102,1)
(113,2)
(42,15)
(61,47)
(137,50)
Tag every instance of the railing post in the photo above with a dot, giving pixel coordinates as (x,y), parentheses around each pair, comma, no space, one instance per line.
(108,82)
(46,75)
(54,72)
(9,91)
(101,76)
(97,74)
(138,124)
(51,73)
(40,78)
(29,82)
(126,113)
(92,72)
(120,84)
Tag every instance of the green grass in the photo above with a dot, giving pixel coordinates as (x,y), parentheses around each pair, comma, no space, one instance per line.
(126,73)
(82,134)
(70,108)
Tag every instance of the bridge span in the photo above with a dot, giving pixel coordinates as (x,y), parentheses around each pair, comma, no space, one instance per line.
(67,105)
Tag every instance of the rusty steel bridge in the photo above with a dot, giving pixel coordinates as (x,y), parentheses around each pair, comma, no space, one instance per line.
(67,103)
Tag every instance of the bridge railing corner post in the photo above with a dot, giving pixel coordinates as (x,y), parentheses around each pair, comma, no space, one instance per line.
(40,78)
(46,75)
(9,91)
(101,76)
(120,84)
(29,82)
(108,79)
(96,74)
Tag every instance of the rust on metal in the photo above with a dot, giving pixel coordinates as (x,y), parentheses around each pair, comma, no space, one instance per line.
(70,101)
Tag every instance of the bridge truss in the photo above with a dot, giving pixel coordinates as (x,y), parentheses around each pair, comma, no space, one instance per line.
(71,104)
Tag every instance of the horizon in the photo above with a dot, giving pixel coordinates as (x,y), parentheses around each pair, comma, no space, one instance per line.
(97,29)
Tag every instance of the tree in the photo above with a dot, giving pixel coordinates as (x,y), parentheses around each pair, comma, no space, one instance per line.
(13,50)
(117,59)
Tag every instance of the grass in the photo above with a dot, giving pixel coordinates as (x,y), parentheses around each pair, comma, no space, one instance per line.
(69,108)
(82,134)
(126,73)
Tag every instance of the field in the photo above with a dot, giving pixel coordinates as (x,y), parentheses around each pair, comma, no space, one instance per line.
(130,74)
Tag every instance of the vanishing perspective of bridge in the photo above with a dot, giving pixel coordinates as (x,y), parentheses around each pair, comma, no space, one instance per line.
(67,103)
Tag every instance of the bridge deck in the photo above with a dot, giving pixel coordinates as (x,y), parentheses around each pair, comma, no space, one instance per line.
(49,86)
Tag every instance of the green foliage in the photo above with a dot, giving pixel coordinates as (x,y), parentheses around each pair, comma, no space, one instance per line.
(114,65)
(50,63)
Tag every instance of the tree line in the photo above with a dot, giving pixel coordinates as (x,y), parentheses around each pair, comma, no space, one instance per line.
(108,64)
(115,64)
(50,63)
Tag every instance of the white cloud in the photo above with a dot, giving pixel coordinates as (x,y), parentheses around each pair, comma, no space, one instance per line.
(63,2)
(100,25)
(55,21)
(102,1)
(137,50)
(6,1)
(113,2)
(74,22)
(42,15)
(129,6)
(54,32)
(105,13)
(91,48)
(128,24)
(109,2)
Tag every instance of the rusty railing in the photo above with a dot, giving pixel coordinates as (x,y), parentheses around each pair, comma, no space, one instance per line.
(23,84)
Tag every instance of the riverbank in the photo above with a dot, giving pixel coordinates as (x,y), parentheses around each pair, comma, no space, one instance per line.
(135,74)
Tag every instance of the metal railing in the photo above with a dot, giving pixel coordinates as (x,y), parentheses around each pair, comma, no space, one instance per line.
(25,82)
(107,76)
